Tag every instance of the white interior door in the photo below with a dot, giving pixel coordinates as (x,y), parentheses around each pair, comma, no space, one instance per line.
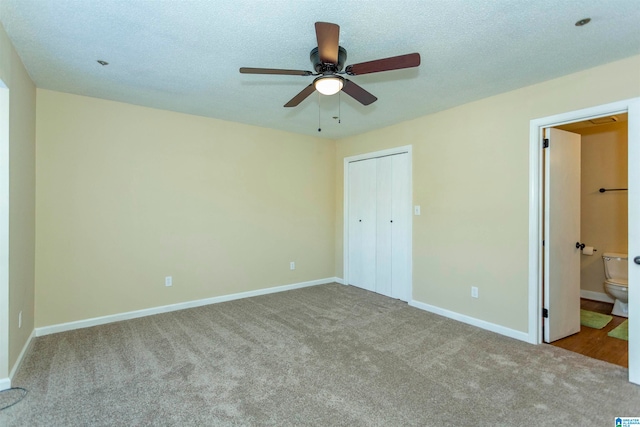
(562,232)
(362,224)
(401,215)
(378,202)
(384,201)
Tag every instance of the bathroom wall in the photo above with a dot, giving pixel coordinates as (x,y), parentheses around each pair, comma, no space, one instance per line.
(603,215)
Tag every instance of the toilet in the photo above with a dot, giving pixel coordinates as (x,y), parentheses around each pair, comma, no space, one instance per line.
(617,282)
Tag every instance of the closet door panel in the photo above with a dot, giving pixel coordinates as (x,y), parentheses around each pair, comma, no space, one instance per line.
(362,224)
(384,181)
(401,215)
(355,229)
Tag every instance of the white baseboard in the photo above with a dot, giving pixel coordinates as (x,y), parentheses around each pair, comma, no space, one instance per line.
(25,348)
(5,383)
(87,323)
(339,280)
(522,336)
(596,296)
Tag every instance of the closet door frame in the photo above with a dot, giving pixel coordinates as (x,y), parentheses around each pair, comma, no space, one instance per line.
(407,293)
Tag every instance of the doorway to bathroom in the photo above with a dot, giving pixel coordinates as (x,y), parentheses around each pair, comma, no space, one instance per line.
(546,309)
(603,230)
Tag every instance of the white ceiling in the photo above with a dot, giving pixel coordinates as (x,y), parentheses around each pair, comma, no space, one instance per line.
(184,55)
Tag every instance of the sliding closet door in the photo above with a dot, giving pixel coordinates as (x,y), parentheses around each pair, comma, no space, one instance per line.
(400,231)
(362,224)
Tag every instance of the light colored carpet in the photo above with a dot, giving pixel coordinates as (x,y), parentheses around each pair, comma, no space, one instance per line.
(593,319)
(327,355)
(621,331)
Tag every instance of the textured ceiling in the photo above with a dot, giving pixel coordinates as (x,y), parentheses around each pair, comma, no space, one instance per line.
(184,55)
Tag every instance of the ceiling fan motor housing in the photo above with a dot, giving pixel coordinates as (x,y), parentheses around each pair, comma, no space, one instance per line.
(328,68)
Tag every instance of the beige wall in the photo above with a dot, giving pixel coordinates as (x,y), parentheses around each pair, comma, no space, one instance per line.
(22,96)
(127,195)
(603,219)
(471,177)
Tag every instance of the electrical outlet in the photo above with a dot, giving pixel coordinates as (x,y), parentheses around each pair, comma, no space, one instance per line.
(416,210)
(168,281)
(292,265)
(20,319)
(474,292)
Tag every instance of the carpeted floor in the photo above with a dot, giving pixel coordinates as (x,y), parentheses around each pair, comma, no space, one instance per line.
(327,355)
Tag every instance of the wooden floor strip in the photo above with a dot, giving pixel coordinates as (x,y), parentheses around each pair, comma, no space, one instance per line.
(596,343)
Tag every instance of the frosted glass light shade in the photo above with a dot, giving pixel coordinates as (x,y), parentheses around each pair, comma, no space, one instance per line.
(328,85)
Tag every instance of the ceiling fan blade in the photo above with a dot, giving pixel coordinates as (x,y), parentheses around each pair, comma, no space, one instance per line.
(328,36)
(386,64)
(358,93)
(301,96)
(247,70)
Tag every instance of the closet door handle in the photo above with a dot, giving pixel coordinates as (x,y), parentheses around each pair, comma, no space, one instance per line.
(637,260)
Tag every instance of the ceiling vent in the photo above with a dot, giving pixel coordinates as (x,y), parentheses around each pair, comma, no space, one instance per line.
(604,120)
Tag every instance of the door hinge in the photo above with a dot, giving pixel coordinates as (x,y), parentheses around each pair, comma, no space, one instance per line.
(545,143)
(545,313)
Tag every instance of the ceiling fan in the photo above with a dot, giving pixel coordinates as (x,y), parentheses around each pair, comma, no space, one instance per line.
(328,60)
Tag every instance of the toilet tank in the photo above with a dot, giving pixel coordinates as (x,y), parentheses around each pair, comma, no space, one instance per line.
(616,266)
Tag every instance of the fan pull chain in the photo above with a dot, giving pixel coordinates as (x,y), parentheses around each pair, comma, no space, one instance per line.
(319,129)
(339,105)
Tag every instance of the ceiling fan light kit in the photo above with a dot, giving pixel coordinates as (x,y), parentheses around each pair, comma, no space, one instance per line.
(328,60)
(329,85)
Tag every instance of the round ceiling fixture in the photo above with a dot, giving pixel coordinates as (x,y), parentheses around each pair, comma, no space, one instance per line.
(328,85)
(582,22)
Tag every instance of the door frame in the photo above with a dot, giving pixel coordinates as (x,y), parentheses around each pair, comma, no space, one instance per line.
(536,214)
(408,292)
(4,237)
